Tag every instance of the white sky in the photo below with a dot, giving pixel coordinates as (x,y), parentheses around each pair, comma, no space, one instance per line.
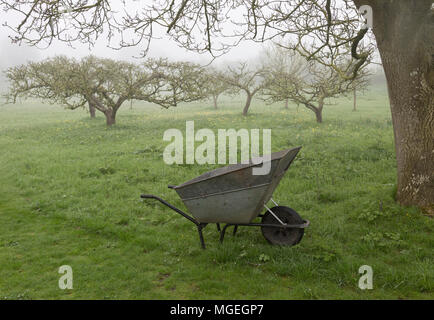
(13,54)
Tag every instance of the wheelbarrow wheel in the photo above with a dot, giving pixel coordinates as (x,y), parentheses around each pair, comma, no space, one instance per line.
(280,236)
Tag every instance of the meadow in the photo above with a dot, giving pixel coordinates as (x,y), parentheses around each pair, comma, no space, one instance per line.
(70,187)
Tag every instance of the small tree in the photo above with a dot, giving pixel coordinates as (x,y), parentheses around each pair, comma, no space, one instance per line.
(215,85)
(308,84)
(360,84)
(246,79)
(105,84)
(277,60)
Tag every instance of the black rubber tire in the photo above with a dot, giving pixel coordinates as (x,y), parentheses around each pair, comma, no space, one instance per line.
(279,236)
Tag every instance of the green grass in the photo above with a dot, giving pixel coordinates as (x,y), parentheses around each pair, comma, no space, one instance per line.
(69,194)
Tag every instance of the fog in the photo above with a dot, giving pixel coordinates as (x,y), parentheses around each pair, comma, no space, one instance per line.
(161,46)
(12,54)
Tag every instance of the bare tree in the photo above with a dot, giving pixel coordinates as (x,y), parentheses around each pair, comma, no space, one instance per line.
(309,84)
(403,30)
(248,79)
(286,64)
(105,84)
(215,85)
(45,80)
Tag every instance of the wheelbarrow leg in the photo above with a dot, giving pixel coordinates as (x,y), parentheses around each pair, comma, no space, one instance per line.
(235,230)
(199,225)
(222,233)
(199,229)
(218,227)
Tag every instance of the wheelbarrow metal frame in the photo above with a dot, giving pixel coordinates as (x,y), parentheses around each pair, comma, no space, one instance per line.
(233,195)
(200,226)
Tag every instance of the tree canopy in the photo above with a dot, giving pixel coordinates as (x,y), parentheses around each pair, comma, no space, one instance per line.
(203,25)
(215,84)
(247,78)
(309,83)
(105,83)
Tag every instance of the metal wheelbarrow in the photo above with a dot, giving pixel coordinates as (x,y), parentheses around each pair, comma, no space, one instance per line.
(234,196)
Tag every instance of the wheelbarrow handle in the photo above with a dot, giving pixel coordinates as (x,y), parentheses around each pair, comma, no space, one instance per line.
(167,204)
(147,196)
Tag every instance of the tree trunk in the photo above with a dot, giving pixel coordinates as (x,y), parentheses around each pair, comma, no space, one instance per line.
(215,97)
(355,99)
(247,106)
(110,116)
(318,111)
(91,110)
(318,114)
(405,36)
(286,103)
(412,109)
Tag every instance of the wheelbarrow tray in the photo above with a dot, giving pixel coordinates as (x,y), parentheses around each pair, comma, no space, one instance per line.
(232,194)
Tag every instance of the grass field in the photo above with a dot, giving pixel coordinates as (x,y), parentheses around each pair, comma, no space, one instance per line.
(69,195)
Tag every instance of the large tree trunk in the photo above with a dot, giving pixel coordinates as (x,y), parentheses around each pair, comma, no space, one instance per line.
(110,116)
(92,110)
(247,106)
(405,36)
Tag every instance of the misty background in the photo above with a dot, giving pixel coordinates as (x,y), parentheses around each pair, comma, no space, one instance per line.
(12,54)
